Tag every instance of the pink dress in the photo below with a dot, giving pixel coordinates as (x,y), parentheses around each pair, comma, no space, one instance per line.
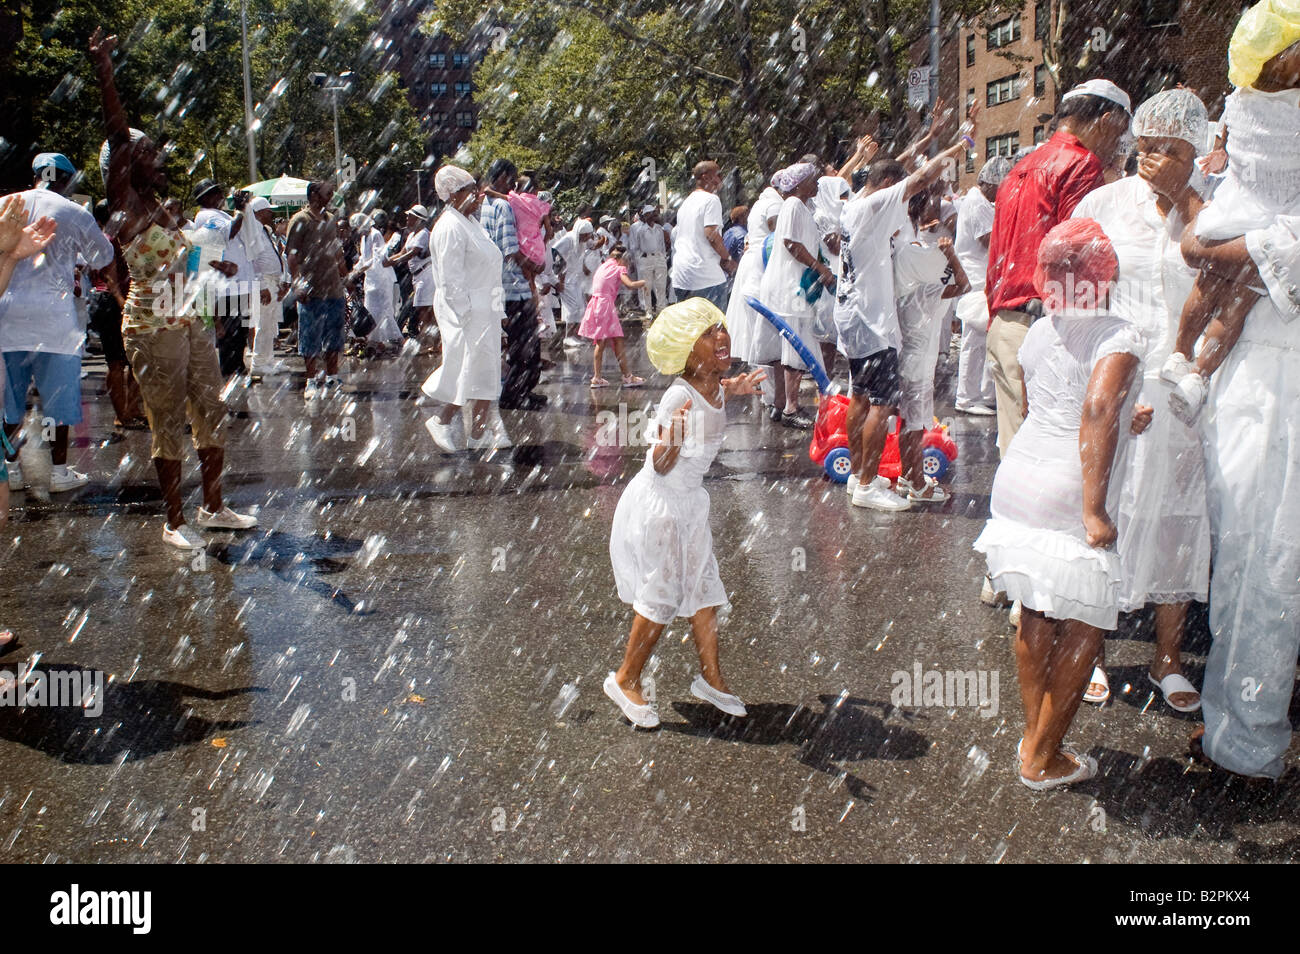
(529,212)
(600,320)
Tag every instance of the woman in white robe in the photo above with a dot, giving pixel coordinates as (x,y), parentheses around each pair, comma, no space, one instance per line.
(466,266)
(379,285)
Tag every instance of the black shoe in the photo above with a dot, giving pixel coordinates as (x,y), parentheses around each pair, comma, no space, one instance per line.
(534,402)
(801,421)
(774,414)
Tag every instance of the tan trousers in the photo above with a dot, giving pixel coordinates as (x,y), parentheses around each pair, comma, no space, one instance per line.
(1006,334)
(179,379)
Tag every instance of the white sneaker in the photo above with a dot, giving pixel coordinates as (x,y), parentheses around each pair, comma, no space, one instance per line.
(312,391)
(64,478)
(978,410)
(490,440)
(333,386)
(1014,616)
(16,481)
(183,537)
(644,716)
(852,483)
(725,701)
(877,495)
(443,435)
(1176,367)
(226,519)
(930,491)
(1188,397)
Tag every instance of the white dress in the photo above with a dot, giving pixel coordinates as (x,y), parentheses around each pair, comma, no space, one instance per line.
(660,544)
(1163,512)
(379,287)
(1035,541)
(465,268)
(780,289)
(921,274)
(748,329)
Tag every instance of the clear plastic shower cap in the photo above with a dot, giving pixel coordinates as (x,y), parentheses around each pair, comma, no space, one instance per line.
(1176,113)
(994,171)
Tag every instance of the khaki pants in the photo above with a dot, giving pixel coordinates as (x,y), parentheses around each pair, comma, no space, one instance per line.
(1006,334)
(179,378)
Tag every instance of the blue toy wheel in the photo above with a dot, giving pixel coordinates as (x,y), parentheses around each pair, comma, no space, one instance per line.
(838,466)
(934,463)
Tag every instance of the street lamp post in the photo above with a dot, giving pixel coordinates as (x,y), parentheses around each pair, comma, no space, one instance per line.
(340,84)
(248,93)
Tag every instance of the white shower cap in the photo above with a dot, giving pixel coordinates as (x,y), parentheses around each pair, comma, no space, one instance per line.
(1176,113)
(451,179)
(105,150)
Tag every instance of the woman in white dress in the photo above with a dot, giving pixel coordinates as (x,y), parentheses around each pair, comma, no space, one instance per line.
(795,246)
(660,544)
(466,267)
(1163,519)
(744,324)
(379,280)
(1049,540)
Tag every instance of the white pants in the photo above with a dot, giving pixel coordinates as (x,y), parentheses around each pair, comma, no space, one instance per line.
(266,324)
(381,302)
(652,268)
(974,376)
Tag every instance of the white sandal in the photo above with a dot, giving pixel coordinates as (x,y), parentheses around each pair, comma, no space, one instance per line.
(1173,684)
(642,716)
(1087,768)
(1098,676)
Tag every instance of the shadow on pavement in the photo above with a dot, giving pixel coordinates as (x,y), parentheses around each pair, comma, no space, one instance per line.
(140,719)
(841,732)
(296,560)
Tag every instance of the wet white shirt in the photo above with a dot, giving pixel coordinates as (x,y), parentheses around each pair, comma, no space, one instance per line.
(974,223)
(38,312)
(695,264)
(866,318)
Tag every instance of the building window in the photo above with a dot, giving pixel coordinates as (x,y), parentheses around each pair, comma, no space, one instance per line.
(1003,90)
(1004,32)
(1005,145)
(438,61)
(437,89)
(1040,81)
(463,88)
(970,100)
(460,60)
(1042,19)
(438,119)
(970,50)
(465,119)
(1040,133)
(970,161)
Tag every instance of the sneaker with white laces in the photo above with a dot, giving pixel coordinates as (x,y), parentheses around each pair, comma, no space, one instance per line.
(183,537)
(930,491)
(1176,367)
(311,391)
(63,478)
(226,519)
(443,435)
(16,481)
(852,483)
(877,495)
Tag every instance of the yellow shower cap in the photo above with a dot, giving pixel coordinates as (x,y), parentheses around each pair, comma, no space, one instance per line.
(672,337)
(1263,31)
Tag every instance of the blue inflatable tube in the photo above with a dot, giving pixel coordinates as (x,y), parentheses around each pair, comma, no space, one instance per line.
(814,362)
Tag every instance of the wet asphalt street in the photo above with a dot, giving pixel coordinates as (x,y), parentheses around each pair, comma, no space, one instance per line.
(404,662)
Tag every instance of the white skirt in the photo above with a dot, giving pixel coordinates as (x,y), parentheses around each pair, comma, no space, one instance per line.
(743,323)
(661,548)
(422,290)
(1053,572)
(381,302)
(471,359)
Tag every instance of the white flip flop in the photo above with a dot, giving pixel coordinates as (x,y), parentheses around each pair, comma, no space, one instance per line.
(725,701)
(1087,768)
(1173,683)
(643,716)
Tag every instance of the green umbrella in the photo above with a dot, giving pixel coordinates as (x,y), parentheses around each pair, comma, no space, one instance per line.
(281,192)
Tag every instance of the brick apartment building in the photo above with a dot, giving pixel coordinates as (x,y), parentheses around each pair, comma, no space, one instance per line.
(438,77)
(1147,46)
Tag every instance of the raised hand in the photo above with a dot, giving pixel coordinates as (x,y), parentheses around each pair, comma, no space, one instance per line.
(13,219)
(101,47)
(744,384)
(35,237)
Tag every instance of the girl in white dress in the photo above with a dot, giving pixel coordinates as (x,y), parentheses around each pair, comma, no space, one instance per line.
(660,544)
(1050,540)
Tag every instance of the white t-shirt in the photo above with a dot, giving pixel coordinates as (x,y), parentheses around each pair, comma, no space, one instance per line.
(695,264)
(974,222)
(866,319)
(39,310)
(418,265)
(231,251)
(780,288)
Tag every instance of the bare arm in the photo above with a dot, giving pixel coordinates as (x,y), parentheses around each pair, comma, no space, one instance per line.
(714,235)
(1099,436)
(115,121)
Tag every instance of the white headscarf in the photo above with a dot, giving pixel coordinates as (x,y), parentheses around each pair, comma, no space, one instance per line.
(450,180)
(789,178)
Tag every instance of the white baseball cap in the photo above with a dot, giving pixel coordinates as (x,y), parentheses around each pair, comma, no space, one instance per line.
(258,204)
(1104,89)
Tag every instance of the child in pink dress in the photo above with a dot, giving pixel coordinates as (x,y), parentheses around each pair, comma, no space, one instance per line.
(530,215)
(600,321)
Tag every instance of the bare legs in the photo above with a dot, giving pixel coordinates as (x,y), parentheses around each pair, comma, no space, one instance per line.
(479,410)
(641,642)
(124,392)
(598,356)
(58,449)
(331,364)
(211,463)
(868,426)
(1054,658)
(792,377)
